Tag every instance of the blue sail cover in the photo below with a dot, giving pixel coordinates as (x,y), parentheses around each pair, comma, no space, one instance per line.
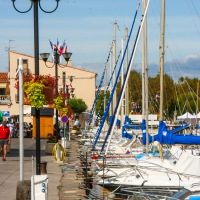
(128,124)
(165,136)
(127,120)
(178,129)
(125,134)
(151,138)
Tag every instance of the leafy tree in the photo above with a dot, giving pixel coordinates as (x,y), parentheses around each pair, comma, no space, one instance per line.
(187,102)
(77,105)
(187,95)
(168,95)
(180,96)
(100,102)
(135,88)
(154,89)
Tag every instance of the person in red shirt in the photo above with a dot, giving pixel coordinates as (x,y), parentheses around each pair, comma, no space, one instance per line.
(4,139)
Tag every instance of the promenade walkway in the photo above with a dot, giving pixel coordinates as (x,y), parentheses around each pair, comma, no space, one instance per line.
(62,183)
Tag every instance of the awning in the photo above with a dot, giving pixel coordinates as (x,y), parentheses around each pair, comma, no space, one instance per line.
(187,115)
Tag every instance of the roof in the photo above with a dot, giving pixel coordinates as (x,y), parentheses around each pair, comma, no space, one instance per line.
(95,74)
(4,77)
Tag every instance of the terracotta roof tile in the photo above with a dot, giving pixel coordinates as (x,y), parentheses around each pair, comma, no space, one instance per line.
(4,77)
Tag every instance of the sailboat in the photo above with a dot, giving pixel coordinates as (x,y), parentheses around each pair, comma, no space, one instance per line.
(166,172)
(154,172)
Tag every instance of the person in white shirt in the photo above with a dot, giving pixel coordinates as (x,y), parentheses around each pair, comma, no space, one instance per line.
(77,123)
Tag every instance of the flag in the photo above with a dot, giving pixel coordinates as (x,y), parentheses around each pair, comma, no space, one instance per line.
(55,47)
(64,47)
(60,49)
(157,97)
(51,43)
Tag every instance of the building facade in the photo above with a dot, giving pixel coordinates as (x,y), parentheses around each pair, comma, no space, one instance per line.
(84,82)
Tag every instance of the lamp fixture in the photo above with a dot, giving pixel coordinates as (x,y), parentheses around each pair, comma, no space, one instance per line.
(71,78)
(45,56)
(66,56)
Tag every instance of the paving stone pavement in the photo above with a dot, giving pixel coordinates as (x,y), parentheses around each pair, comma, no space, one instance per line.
(63,183)
(10,170)
(72,178)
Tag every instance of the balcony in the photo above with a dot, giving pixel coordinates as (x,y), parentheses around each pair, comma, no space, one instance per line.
(5,99)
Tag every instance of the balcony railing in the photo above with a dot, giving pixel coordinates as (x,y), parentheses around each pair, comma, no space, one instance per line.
(5,99)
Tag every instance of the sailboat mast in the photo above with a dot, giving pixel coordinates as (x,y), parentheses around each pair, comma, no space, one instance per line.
(111,86)
(145,75)
(122,80)
(197,104)
(114,63)
(162,56)
(105,85)
(127,103)
(116,112)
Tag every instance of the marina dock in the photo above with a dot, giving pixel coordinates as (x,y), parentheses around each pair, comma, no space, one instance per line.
(72,179)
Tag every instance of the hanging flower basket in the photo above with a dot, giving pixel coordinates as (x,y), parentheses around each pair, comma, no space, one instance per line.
(65,111)
(26,101)
(39,90)
(49,94)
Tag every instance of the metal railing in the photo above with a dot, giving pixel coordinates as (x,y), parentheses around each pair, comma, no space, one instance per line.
(5,99)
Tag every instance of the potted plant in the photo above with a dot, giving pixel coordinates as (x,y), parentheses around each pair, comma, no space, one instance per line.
(51,141)
(39,90)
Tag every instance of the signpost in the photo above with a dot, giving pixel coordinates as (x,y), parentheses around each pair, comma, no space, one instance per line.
(64,120)
(6,113)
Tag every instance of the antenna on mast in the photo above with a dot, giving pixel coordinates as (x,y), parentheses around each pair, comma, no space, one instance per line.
(8,49)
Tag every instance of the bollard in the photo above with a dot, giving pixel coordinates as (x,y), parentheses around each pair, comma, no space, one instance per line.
(64,142)
(43,167)
(59,153)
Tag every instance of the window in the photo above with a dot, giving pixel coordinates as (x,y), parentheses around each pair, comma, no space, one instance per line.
(2,91)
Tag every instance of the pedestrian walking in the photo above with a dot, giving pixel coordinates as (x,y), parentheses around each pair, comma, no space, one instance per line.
(11,127)
(4,139)
(29,132)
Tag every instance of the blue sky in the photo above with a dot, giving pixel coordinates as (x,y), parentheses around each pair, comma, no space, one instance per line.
(87,28)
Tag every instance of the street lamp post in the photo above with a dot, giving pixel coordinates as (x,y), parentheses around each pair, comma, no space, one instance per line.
(71,78)
(70,94)
(56,55)
(34,4)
